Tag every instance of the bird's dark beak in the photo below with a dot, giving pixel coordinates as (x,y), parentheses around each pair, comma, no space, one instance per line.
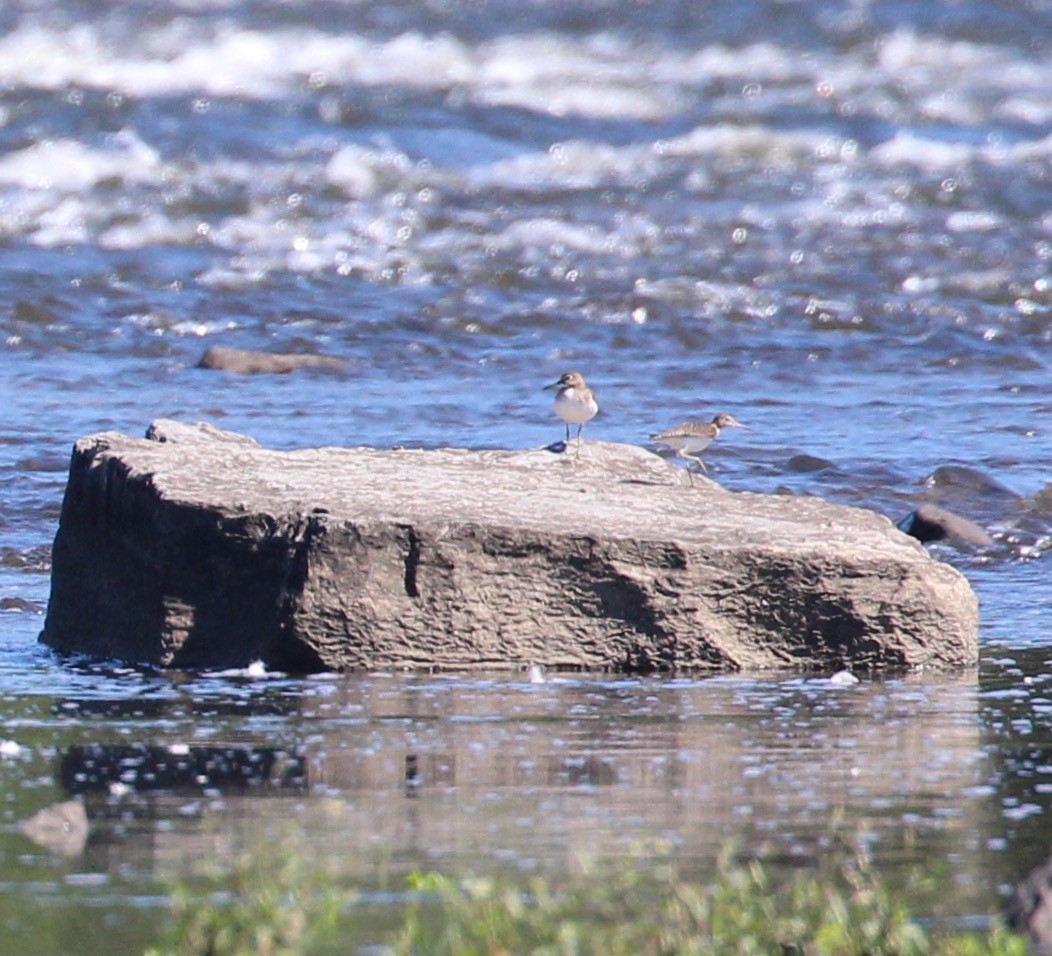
(553,385)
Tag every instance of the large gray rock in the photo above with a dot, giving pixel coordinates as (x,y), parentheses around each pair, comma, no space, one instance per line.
(197,547)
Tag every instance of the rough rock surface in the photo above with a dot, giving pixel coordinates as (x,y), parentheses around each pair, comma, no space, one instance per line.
(197,547)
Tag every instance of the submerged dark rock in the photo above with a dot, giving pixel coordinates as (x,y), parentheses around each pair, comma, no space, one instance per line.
(249,362)
(967,482)
(197,547)
(805,464)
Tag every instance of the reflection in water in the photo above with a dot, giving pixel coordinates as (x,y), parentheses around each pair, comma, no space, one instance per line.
(177,768)
(573,769)
(466,773)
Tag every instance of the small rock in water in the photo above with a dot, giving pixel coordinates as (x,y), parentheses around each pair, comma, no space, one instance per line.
(932,523)
(843,679)
(61,827)
(250,362)
(807,464)
(965,480)
(537,674)
(10,748)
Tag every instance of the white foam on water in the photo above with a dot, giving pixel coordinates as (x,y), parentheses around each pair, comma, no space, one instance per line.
(1031,107)
(906,53)
(964,220)
(553,235)
(372,196)
(707,298)
(603,75)
(1039,149)
(545,72)
(594,100)
(361,171)
(754,141)
(908,148)
(569,165)
(151,227)
(200,328)
(10,749)
(964,82)
(227,61)
(69,166)
(256,670)
(756,63)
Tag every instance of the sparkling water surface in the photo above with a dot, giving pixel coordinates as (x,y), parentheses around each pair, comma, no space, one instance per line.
(832,221)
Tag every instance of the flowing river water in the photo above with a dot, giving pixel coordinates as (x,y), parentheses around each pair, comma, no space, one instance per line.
(831,220)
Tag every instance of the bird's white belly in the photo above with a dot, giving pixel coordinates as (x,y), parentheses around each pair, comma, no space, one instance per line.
(688,443)
(573,411)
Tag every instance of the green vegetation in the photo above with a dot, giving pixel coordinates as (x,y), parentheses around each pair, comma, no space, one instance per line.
(270,903)
(634,909)
(626,913)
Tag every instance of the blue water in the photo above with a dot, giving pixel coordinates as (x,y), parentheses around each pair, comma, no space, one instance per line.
(834,223)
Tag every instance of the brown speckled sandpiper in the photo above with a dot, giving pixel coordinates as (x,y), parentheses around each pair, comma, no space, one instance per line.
(693,437)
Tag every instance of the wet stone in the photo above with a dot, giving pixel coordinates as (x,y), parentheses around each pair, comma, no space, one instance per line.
(198,548)
(931,523)
(253,362)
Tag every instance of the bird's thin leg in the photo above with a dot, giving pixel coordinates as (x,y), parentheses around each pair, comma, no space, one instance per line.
(701,465)
(567,442)
(580,428)
(688,459)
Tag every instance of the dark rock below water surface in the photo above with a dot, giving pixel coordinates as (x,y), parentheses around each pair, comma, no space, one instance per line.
(197,547)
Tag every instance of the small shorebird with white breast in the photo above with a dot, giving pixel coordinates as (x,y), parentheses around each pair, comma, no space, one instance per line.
(574,404)
(693,437)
